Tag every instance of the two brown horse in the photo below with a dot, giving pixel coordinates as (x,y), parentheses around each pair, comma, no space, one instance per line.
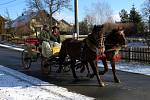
(90,48)
(114,41)
(83,50)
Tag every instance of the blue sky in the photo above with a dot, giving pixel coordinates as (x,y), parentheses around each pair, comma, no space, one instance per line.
(16,7)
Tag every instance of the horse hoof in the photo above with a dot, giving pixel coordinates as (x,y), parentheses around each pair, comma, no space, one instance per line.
(102,84)
(117,81)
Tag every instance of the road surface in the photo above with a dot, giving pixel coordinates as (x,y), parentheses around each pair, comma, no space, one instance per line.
(132,86)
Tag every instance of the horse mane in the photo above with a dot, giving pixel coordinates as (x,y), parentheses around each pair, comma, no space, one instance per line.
(111,37)
(97,32)
(108,36)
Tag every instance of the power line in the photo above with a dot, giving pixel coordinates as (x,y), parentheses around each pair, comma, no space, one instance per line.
(7,2)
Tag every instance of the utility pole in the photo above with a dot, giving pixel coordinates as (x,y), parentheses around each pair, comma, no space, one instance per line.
(76,32)
(149,24)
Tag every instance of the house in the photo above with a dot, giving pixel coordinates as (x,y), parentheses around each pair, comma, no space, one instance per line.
(27,23)
(65,27)
(3,34)
(2,25)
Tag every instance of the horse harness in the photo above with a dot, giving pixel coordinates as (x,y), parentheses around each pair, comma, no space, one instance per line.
(113,53)
(91,46)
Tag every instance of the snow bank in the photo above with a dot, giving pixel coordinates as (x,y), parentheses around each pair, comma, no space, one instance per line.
(11,47)
(18,86)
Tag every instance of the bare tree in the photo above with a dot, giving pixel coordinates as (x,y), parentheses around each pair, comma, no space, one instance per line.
(146,8)
(51,6)
(101,11)
(90,19)
(9,22)
(146,12)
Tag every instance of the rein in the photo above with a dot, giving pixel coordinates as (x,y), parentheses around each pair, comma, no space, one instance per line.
(113,49)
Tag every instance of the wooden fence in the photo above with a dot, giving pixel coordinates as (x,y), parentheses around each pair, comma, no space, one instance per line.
(138,54)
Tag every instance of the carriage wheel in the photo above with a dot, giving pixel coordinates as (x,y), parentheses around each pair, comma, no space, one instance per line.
(26,60)
(66,68)
(67,64)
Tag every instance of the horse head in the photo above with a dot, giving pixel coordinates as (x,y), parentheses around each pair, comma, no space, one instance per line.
(116,38)
(120,37)
(96,37)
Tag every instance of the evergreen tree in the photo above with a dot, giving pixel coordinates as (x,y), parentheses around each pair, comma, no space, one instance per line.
(134,16)
(124,16)
(136,19)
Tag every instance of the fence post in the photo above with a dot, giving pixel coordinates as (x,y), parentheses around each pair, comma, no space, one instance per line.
(148,54)
(129,53)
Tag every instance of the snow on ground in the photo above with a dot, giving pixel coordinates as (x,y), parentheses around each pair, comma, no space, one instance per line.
(13,47)
(137,44)
(133,67)
(18,86)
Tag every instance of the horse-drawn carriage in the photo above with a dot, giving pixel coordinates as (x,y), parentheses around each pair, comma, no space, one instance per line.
(73,51)
(32,53)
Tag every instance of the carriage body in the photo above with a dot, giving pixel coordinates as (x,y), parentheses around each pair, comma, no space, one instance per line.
(32,53)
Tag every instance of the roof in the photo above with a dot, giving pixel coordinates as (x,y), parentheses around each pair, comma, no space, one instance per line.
(23,19)
(65,22)
(1,17)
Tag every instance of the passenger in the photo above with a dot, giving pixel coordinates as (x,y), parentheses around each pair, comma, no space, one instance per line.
(55,36)
(48,40)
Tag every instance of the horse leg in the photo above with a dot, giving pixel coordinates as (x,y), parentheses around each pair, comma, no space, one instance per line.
(83,66)
(88,70)
(61,60)
(73,61)
(114,72)
(104,61)
(96,72)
